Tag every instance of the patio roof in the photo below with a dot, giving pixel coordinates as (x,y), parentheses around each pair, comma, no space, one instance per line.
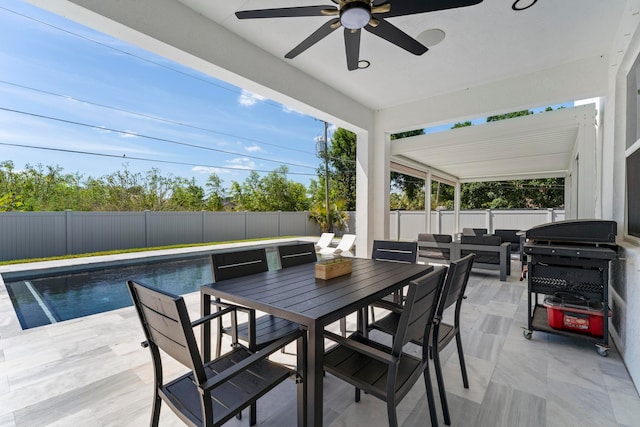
(484,42)
(492,60)
(534,146)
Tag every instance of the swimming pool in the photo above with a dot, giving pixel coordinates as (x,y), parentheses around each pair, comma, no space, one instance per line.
(56,298)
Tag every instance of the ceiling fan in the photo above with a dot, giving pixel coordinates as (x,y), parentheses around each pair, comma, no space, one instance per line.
(355,15)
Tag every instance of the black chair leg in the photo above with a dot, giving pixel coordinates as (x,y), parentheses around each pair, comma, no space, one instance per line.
(430,398)
(155,410)
(463,367)
(441,390)
(253,414)
(219,343)
(343,326)
(391,412)
(357,395)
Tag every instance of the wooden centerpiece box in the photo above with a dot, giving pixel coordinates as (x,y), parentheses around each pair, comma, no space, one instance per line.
(328,269)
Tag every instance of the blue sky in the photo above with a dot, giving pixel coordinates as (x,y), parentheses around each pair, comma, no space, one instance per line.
(100,95)
(66,87)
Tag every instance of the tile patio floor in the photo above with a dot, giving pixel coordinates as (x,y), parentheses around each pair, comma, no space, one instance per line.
(93,372)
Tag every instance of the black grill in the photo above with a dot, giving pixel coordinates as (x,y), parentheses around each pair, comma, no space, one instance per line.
(569,258)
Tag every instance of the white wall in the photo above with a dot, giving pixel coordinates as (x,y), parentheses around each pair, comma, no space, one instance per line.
(625,294)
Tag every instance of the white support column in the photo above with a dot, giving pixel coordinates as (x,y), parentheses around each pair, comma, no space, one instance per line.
(372,188)
(589,188)
(364,193)
(456,207)
(427,203)
(568,204)
(488,220)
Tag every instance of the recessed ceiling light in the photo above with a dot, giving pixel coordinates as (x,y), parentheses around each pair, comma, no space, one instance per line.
(523,4)
(431,38)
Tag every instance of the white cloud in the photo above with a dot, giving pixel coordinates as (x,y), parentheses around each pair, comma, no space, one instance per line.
(253,148)
(209,170)
(249,99)
(101,129)
(332,128)
(129,134)
(242,163)
(290,110)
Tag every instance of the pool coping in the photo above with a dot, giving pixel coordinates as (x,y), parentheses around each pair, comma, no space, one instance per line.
(15,272)
(9,323)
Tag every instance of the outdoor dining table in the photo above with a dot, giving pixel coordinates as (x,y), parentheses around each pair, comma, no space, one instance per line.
(297,295)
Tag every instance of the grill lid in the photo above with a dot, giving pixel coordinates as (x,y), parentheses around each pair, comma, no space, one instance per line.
(576,231)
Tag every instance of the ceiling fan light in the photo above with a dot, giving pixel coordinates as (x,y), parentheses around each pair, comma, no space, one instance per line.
(355,15)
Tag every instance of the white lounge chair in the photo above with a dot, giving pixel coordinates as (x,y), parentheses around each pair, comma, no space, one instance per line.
(324,241)
(343,248)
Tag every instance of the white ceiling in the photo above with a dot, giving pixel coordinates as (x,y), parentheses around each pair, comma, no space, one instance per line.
(483,43)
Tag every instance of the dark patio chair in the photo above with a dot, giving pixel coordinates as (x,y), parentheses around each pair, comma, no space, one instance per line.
(442,333)
(434,246)
(393,251)
(387,372)
(213,392)
(303,253)
(258,332)
(297,254)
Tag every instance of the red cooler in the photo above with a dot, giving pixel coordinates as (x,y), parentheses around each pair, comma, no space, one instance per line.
(575,315)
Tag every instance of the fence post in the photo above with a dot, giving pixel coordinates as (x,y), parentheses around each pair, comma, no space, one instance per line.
(246,225)
(398,220)
(279,220)
(68,233)
(204,222)
(306,220)
(550,215)
(439,220)
(488,221)
(147,227)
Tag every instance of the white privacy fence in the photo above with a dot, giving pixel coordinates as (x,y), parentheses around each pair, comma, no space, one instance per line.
(26,235)
(405,225)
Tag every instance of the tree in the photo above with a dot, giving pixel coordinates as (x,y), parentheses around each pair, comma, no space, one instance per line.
(510,115)
(342,174)
(462,125)
(186,195)
(338,217)
(215,193)
(271,193)
(411,187)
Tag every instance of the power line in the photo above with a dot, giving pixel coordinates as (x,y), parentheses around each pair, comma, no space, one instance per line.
(170,141)
(125,157)
(149,116)
(268,102)
(162,119)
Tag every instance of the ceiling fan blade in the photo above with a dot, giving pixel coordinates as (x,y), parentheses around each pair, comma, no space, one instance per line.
(314,38)
(410,7)
(284,12)
(352,48)
(383,8)
(396,36)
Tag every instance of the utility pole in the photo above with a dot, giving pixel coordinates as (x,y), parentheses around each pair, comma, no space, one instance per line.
(326,177)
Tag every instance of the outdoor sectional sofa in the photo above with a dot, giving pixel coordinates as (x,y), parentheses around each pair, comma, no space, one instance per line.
(434,246)
(491,252)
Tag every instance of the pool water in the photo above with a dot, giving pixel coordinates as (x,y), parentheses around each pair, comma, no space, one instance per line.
(42,301)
